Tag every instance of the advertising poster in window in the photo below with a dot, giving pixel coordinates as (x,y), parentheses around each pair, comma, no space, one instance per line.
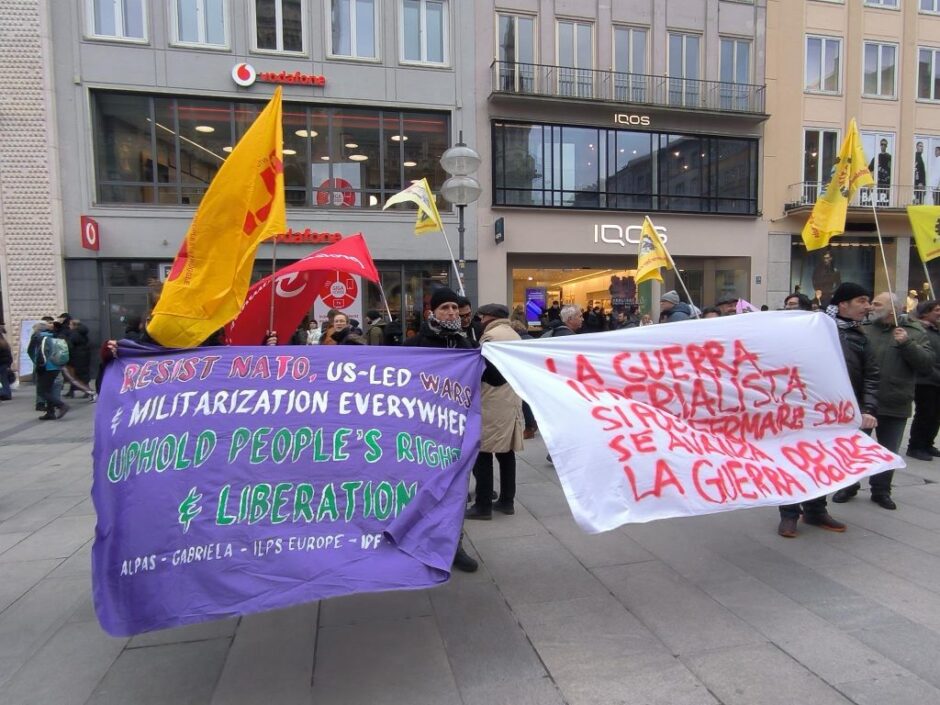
(879,148)
(342,190)
(818,273)
(926,170)
(342,292)
(536,301)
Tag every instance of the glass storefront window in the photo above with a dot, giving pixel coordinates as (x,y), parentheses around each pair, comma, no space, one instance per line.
(575,167)
(159,150)
(819,272)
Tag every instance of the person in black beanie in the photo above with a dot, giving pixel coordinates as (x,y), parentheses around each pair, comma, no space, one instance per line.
(442,330)
(849,305)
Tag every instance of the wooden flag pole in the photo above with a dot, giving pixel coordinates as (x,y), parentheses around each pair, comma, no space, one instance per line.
(695,311)
(933,294)
(384,299)
(884,259)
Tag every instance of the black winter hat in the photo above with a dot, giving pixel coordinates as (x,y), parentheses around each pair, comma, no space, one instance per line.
(846,291)
(443,296)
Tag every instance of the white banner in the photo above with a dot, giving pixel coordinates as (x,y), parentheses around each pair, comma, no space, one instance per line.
(695,417)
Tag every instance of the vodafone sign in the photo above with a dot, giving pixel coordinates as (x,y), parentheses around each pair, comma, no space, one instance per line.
(90,239)
(245,75)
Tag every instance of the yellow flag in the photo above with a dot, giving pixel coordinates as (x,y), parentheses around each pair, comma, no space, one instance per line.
(652,254)
(243,206)
(849,173)
(925,223)
(419,193)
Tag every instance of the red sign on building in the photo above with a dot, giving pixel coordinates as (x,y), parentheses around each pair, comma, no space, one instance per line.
(90,239)
(244,75)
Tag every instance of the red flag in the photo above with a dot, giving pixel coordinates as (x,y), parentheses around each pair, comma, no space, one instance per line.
(295,289)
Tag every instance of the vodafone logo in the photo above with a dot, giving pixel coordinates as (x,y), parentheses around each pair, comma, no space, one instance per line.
(244,74)
(286,280)
(341,196)
(339,291)
(90,239)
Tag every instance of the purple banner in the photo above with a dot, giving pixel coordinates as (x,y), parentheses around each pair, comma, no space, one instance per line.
(233,480)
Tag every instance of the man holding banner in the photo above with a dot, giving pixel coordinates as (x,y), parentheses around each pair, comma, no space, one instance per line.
(849,306)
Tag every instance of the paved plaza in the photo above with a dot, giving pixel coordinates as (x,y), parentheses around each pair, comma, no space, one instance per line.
(715,609)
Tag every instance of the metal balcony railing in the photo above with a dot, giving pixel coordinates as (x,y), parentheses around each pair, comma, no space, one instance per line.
(635,88)
(805,193)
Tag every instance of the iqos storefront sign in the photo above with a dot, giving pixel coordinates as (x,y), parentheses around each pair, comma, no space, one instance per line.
(611,234)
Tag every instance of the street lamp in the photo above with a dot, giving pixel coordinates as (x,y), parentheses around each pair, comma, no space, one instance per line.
(461,189)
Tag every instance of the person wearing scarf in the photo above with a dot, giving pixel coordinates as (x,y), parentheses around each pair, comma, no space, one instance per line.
(849,306)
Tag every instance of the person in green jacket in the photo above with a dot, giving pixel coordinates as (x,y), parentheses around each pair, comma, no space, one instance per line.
(902,352)
(926,421)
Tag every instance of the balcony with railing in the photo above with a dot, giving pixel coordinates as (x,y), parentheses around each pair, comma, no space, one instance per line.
(513,78)
(803,195)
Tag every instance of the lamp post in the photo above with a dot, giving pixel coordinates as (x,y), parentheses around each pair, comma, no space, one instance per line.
(461,189)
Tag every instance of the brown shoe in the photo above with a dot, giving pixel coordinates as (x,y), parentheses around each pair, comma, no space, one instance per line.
(824,521)
(529,433)
(787,527)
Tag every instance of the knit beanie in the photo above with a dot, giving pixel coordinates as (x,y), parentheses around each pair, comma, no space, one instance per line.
(846,291)
(670,296)
(443,296)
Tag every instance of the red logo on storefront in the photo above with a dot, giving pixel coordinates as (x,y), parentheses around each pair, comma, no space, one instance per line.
(336,192)
(308,237)
(245,75)
(339,291)
(90,240)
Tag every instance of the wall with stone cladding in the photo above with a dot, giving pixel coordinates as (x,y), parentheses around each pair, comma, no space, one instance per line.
(30,205)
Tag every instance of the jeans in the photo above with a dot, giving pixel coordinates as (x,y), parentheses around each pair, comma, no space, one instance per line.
(888,434)
(46,388)
(812,507)
(483,472)
(926,421)
(4,382)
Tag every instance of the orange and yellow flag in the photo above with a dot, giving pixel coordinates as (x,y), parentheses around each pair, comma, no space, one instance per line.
(652,254)
(849,173)
(419,193)
(243,206)
(925,224)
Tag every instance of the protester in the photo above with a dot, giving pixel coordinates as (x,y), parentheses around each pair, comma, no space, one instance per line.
(727,305)
(343,328)
(502,430)
(375,327)
(594,320)
(673,309)
(518,315)
(531,427)
(926,421)
(300,335)
(313,332)
(711,312)
(468,322)
(42,350)
(797,302)
(442,329)
(6,365)
(326,337)
(912,301)
(901,352)
(570,320)
(849,307)
(646,320)
(78,371)
(554,311)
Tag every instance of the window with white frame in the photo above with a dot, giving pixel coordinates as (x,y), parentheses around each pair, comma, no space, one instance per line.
(200,22)
(878,66)
(424,31)
(820,150)
(575,52)
(353,28)
(932,6)
(279,25)
(823,64)
(117,19)
(630,79)
(516,42)
(735,73)
(893,4)
(928,73)
(684,66)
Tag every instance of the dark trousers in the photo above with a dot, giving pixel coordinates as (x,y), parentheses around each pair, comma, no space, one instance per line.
(926,421)
(46,389)
(483,472)
(888,434)
(810,507)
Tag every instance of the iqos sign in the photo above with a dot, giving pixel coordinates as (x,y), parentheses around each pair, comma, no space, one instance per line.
(617,235)
(631,119)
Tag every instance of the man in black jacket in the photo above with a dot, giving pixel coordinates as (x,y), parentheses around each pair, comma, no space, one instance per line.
(926,421)
(569,322)
(849,306)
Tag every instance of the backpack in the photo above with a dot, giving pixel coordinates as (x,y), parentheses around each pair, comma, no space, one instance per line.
(57,352)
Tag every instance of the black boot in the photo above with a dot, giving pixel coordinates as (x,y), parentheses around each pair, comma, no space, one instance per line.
(463,561)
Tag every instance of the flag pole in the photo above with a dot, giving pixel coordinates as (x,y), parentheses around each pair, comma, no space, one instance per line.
(675,269)
(273,285)
(884,259)
(384,299)
(927,277)
(454,262)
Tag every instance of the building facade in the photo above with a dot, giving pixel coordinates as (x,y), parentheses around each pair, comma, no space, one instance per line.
(879,62)
(594,115)
(150,97)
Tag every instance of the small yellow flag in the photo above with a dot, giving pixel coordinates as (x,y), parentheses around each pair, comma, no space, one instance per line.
(419,193)
(849,173)
(925,223)
(652,254)
(243,206)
